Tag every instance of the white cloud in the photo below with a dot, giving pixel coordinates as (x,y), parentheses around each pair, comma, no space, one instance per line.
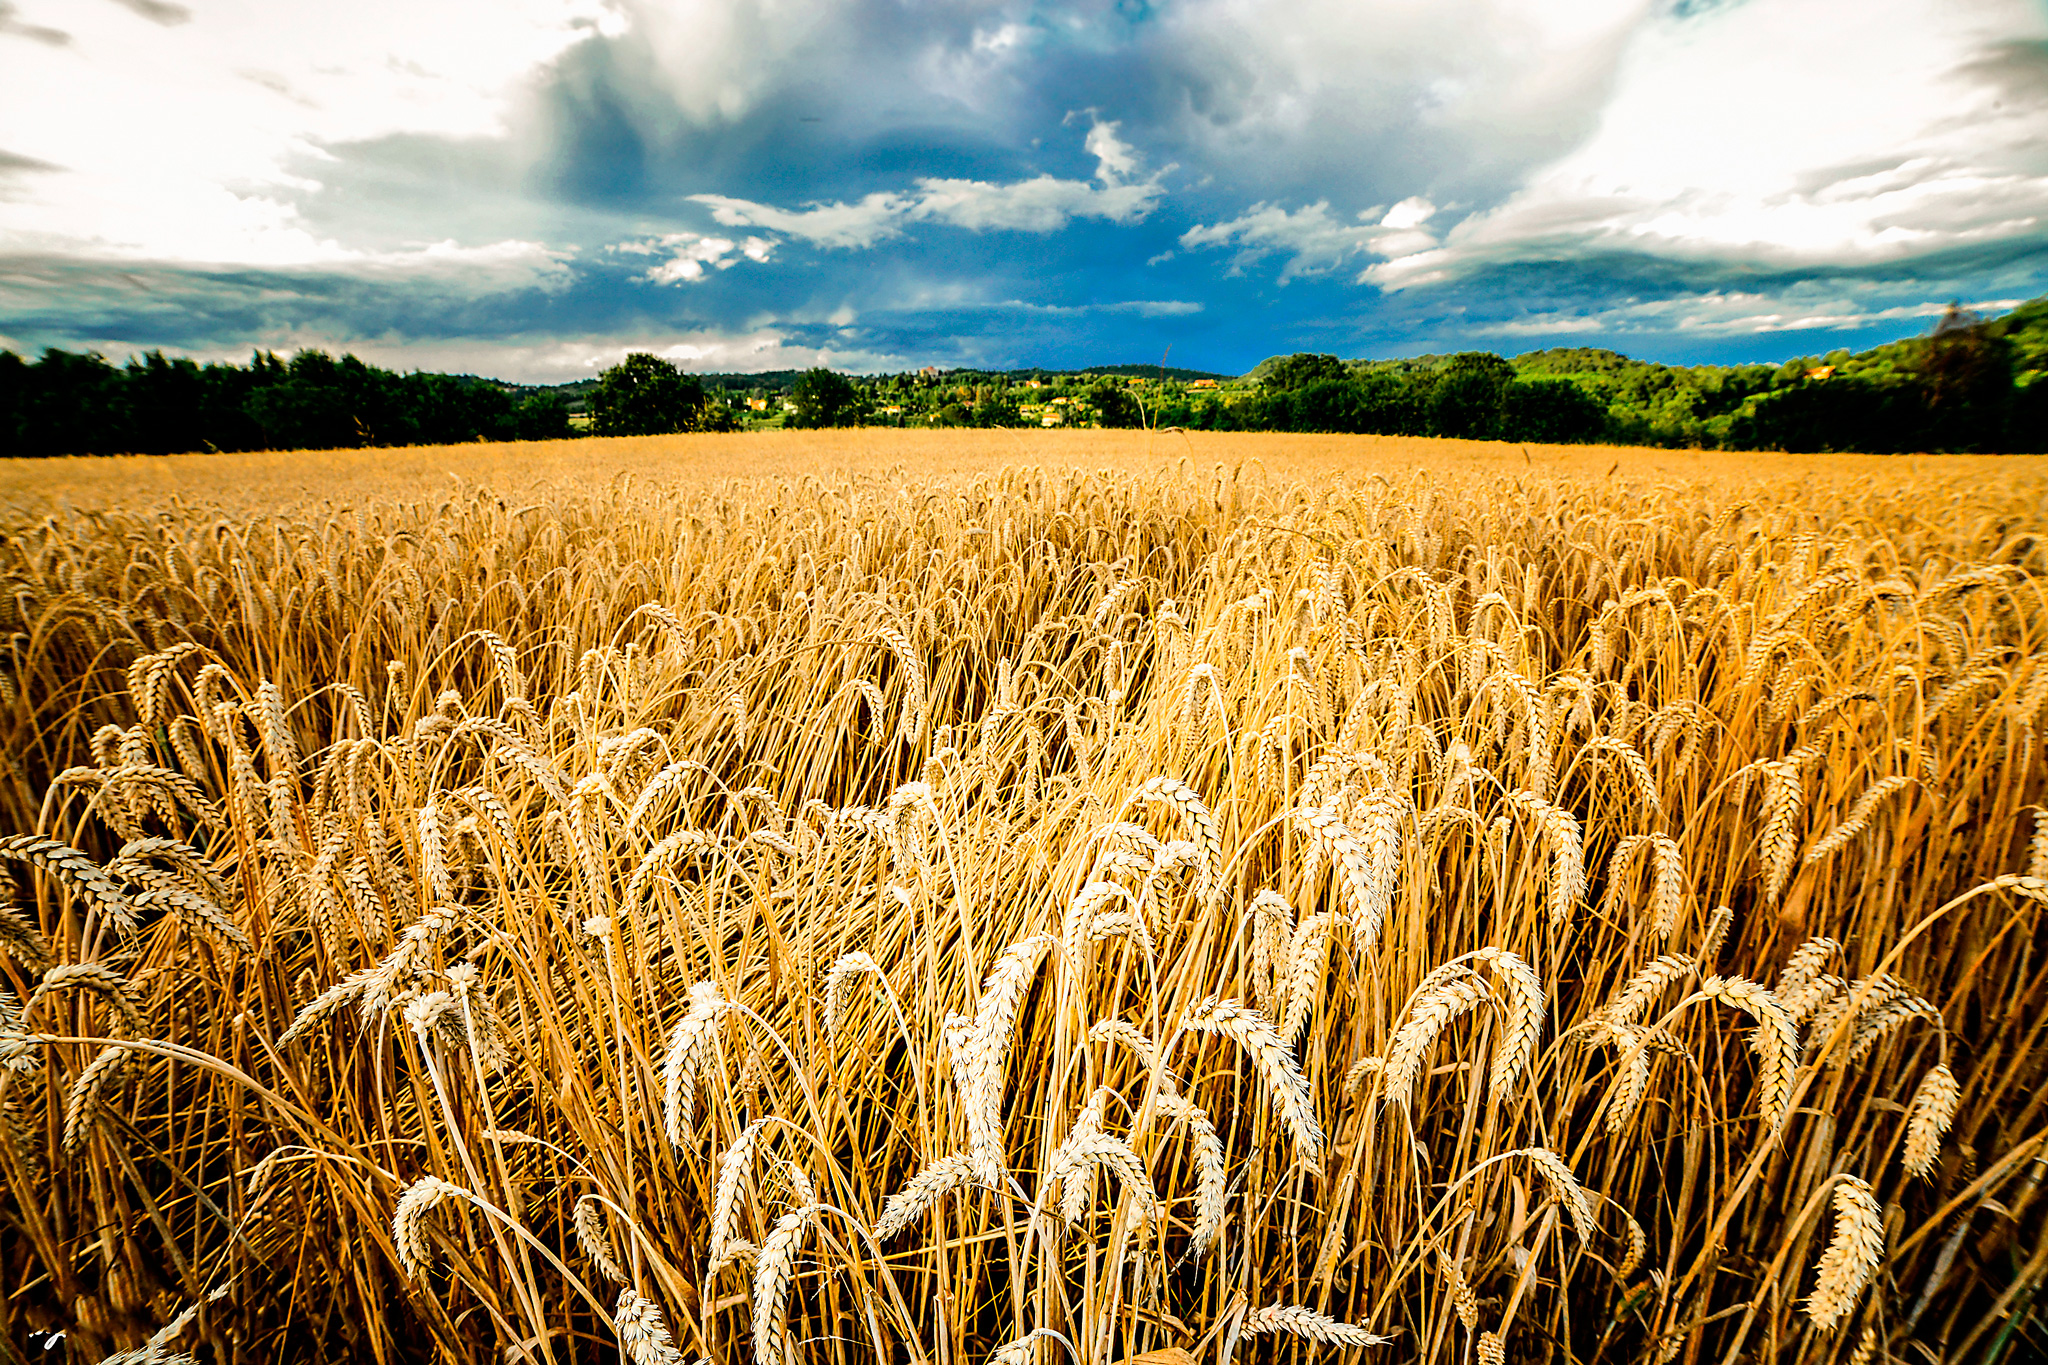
(1732,313)
(1144,308)
(1840,135)
(1313,241)
(1041,204)
(555,360)
(185,142)
(1340,96)
(690,252)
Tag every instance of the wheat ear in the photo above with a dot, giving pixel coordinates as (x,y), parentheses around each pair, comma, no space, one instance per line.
(1201,822)
(1435,1006)
(772,1276)
(1852,1255)
(921,1191)
(408,1223)
(1309,1324)
(1775,1041)
(1275,1062)
(848,966)
(86,1104)
(1522,1000)
(985,1050)
(588,1219)
(686,1045)
(737,1161)
(1566,1187)
(76,871)
(1928,1117)
(643,1333)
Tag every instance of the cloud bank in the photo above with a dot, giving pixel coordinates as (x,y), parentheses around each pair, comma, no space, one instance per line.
(974,181)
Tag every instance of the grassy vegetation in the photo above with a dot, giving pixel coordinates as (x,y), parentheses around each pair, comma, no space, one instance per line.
(955,899)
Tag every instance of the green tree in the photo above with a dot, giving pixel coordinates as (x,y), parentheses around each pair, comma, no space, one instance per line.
(644,395)
(1555,411)
(1114,406)
(824,399)
(1966,372)
(1470,396)
(543,417)
(1301,369)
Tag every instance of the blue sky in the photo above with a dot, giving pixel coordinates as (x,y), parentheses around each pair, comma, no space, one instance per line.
(531,188)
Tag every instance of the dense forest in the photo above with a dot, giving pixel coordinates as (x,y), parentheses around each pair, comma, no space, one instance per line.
(71,404)
(1969,384)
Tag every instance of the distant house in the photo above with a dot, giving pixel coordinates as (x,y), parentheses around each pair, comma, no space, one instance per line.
(1033,384)
(758,404)
(1139,381)
(1203,384)
(1821,372)
(893,410)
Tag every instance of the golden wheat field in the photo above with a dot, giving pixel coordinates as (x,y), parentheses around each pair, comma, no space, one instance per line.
(972,898)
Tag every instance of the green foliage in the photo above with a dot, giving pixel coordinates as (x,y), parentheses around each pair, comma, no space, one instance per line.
(1469,397)
(825,399)
(1114,406)
(67,403)
(1552,411)
(1298,371)
(644,395)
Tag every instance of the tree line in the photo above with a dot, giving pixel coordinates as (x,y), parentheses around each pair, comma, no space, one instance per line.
(1970,384)
(72,404)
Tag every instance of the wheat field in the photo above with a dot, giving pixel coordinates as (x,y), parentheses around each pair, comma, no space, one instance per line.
(947,899)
